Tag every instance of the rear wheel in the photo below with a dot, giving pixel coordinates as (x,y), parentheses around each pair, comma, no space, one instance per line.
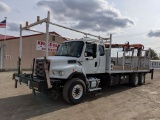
(74,91)
(134,80)
(141,79)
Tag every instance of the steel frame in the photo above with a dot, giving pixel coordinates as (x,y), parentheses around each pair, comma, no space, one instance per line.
(47,21)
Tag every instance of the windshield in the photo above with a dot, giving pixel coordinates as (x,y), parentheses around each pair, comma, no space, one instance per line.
(72,49)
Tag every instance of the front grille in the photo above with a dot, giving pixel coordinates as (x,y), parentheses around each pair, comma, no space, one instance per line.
(40,68)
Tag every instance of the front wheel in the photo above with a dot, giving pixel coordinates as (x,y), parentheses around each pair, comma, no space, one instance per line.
(74,91)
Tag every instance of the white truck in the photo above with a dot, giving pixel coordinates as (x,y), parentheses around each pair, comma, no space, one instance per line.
(86,65)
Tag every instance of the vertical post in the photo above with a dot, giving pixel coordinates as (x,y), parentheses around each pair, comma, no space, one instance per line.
(5,29)
(123,62)
(3,49)
(131,59)
(139,54)
(117,58)
(20,46)
(4,45)
(2,56)
(47,32)
(46,64)
(20,51)
(149,55)
(110,53)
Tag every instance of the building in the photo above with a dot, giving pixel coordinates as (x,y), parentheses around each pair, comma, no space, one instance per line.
(32,47)
(155,64)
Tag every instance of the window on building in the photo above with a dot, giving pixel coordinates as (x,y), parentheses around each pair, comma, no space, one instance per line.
(53,38)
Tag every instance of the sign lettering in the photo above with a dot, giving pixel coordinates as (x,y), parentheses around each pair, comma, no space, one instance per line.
(41,45)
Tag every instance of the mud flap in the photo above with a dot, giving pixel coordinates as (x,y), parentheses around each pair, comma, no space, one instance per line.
(152,71)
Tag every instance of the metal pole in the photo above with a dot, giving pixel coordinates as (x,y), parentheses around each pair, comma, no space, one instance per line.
(110,53)
(117,58)
(47,33)
(3,48)
(78,31)
(4,45)
(1,56)
(123,59)
(20,46)
(20,51)
(35,31)
(5,30)
(34,24)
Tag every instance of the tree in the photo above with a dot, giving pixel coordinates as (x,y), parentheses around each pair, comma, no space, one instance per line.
(153,54)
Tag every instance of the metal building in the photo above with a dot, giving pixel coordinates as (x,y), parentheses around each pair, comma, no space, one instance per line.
(155,64)
(33,47)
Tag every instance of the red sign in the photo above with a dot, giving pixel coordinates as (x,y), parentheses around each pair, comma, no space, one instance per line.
(41,45)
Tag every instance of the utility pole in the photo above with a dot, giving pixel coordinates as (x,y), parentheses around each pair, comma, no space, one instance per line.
(2,52)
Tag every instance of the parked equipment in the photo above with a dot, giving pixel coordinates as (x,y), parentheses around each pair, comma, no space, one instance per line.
(83,65)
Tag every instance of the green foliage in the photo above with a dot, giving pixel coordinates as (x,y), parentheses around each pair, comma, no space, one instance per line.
(153,54)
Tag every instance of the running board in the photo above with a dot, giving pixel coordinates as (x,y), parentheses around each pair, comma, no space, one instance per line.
(94,89)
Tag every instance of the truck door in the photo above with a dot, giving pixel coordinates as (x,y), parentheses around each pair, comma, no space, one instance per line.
(101,59)
(90,58)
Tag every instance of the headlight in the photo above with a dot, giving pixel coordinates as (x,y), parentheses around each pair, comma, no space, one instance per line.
(61,73)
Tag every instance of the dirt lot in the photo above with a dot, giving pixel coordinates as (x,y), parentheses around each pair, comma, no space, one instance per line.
(115,103)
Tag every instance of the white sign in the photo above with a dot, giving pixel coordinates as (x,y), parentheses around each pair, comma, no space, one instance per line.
(41,45)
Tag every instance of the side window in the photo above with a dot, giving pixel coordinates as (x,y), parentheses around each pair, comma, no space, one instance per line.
(101,50)
(53,38)
(90,50)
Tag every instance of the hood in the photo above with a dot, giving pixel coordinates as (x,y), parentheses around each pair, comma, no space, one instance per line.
(61,58)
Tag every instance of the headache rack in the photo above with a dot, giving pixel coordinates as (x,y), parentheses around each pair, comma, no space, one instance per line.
(40,69)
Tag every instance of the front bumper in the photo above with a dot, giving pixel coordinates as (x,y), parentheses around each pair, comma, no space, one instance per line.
(36,83)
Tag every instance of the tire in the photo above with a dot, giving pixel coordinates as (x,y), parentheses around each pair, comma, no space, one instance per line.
(134,80)
(141,79)
(74,91)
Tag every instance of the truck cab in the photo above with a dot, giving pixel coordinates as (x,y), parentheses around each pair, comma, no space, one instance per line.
(84,56)
(77,61)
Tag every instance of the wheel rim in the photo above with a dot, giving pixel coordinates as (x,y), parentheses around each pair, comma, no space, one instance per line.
(142,78)
(136,80)
(77,91)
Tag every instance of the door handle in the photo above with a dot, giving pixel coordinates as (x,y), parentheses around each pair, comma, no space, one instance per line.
(95,64)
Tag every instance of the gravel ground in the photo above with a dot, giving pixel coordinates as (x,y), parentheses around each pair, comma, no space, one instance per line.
(115,103)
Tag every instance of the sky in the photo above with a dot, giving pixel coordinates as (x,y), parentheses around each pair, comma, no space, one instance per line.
(133,21)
